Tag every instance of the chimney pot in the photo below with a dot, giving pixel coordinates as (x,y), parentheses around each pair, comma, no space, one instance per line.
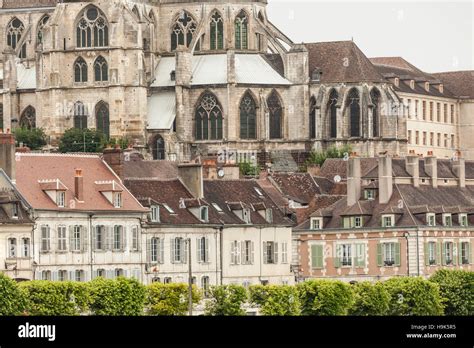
(79,185)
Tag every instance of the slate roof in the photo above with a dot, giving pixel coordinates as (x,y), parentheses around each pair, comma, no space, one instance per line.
(460,83)
(137,167)
(299,187)
(7,197)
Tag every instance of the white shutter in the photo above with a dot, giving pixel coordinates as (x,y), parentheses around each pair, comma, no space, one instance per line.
(252,253)
(108,230)
(275,253)
(232,253)
(126,273)
(148,250)
(265,252)
(161,243)
(86,276)
(71,237)
(173,249)
(84,238)
(198,250)
(124,238)
(94,237)
(185,246)
(206,251)
(239,253)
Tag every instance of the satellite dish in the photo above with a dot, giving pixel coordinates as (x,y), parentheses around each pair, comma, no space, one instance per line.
(220,173)
(337,179)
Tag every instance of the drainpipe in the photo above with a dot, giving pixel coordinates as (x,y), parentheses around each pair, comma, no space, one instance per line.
(417,252)
(91,243)
(406,235)
(221,260)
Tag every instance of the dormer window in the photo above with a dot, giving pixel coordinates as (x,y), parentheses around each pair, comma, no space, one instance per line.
(441,88)
(112,191)
(412,84)
(118,200)
(15,211)
(427,86)
(258,191)
(388,221)
(397,81)
(316,75)
(353,222)
(431,219)
(61,199)
(246,215)
(316,223)
(463,221)
(269,215)
(447,220)
(155,213)
(204,214)
(369,194)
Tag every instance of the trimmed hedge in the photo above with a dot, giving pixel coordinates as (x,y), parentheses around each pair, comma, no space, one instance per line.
(169,299)
(226,300)
(12,299)
(370,299)
(325,297)
(457,290)
(281,300)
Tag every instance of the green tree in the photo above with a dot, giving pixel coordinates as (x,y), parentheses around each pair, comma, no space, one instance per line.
(248,169)
(226,300)
(169,299)
(413,296)
(319,157)
(278,300)
(74,139)
(34,138)
(12,299)
(457,290)
(123,142)
(370,299)
(325,297)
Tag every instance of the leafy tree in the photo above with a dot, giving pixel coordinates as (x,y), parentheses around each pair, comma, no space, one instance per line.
(280,300)
(319,157)
(169,299)
(226,300)
(413,296)
(370,299)
(457,290)
(325,297)
(34,138)
(12,299)
(74,139)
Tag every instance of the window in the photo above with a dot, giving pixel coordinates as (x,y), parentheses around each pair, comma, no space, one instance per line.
(423,108)
(156,250)
(269,215)
(431,219)
(248,117)
(452,140)
(62,275)
(424,138)
(241,31)
(447,220)
(102,118)
(332,113)
(417,137)
(1,107)
(431,111)
(369,194)
(40,29)
(463,221)
(438,112)
(167,280)
(390,254)
(155,213)
(117,200)
(46,275)
(317,256)
(346,254)
(118,238)
(79,276)
(430,253)
(135,238)
(275,114)
(353,222)
(100,273)
(204,214)
(246,215)
(235,253)
(409,108)
(445,113)
(431,138)
(60,198)
(284,252)
(353,105)
(445,140)
(80,70)
(316,224)
(80,116)
(388,221)
(62,238)
(217,31)
(312,118)
(270,252)
(14,32)
(452,114)
(448,253)
(76,238)
(183,30)
(92,29)
(375,96)
(45,238)
(156,280)
(28,118)
(100,238)
(118,272)
(101,70)
(202,250)
(205,285)
(409,137)
(178,250)
(358,222)
(465,253)
(11,247)
(14,210)
(247,252)
(25,247)
(208,118)
(416,108)
(439,140)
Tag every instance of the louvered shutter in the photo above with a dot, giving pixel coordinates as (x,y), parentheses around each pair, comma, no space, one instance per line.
(360,255)
(148,250)
(72,276)
(427,254)
(94,237)
(54,276)
(443,255)
(108,237)
(439,253)
(198,250)
(243,253)
(397,254)
(338,256)
(161,250)
(187,248)
(252,253)
(206,249)
(84,238)
(264,252)
(124,238)
(173,249)
(71,238)
(275,253)
(380,255)
(239,253)
(460,253)
(469,251)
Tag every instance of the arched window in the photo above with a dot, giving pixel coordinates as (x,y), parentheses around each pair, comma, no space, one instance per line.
(28,118)
(14,32)
(353,104)
(103,118)
(208,118)
(101,69)
(158,148)
(312,118)
(135,12)
(1,115)
(92,29)
(241,31)
(332,113)
(41,25)
(275,109)
(375,97)
(80,115)
(183,31)
(217,31)
(80,70)
(248,117)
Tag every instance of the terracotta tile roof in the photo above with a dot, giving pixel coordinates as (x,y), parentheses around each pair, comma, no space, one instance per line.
(32,168)
(460,83)
(299,187)
(338,166)
(329,58)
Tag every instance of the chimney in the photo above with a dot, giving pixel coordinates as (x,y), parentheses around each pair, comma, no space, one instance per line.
(431,168)
(459,168)
(192,177)
(412,166)
(79,185)
(7,154)
(385,179)
(114,158)
(353,180)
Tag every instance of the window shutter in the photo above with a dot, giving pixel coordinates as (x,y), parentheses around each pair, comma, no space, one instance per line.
(427,254)
(443,260)
(243,253)
(206,250)
(198,249)
(84,238)
(469,251)
(252,252)
(337,258)
(148,250)
(455,253)
(439,253)
(460,253)
(187,248)
(94,237)
(275,253)
(162,250)
(316,256)
(264,252)
(360,255)
(239,252)
(71,237)
(86,275)
(124,238)
(379,254)
(173,249)
(110,274)
(397,254)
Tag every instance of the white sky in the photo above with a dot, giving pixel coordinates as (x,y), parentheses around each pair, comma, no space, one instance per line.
(433,35)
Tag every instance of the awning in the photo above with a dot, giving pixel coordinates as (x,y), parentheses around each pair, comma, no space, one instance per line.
(161,110)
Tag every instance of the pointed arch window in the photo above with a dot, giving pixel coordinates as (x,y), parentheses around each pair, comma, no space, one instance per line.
(101,69)
(375,97)
(353,104)
(14,32)
(332,113)
(92,29)
(275,112)
(183,30)
(241,31)
(80,115)
(41,25)
(28,118)
(80,70)
(208,118)
(217,31)
(312,118)
(136,13)
(103,118)
(248,117)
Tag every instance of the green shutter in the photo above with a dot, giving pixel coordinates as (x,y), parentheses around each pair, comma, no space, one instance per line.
(443,255)
(439,253)
(360,255)
(469,250)
(337,257)
(379,255)
(427,254)
(317,256)
(345,222)
(460,253)
(397,254)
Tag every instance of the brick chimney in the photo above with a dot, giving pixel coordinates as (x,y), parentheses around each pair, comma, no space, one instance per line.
(431,168)
(192,177)
(412,166)
(114,158)
(459,168)
(353,180)
(385,179)
(79,185)
(7,154)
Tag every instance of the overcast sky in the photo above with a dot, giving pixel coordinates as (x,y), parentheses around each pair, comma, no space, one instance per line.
(435,35)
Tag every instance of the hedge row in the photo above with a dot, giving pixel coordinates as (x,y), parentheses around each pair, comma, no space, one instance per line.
(447,292)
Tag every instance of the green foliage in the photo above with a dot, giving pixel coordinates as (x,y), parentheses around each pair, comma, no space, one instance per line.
(413,296)
(457,290)
(34,138)
(226,300)
(121,296)
(248,169)
(319,157)
(370,299)
(280,300)
(169,299)
(55,298)
(325,297)
(123,142)
(12,299)
(73,140)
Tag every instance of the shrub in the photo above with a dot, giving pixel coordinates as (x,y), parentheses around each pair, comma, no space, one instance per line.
(457,290)
(413,296)
(325,297)
(279,300)
(370,299)
(34,138)
(74,139)
(248,169)
(122,142)
(319,157)
(169,299)
(55,298)
(12,300)
(226,300)
(121,296)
